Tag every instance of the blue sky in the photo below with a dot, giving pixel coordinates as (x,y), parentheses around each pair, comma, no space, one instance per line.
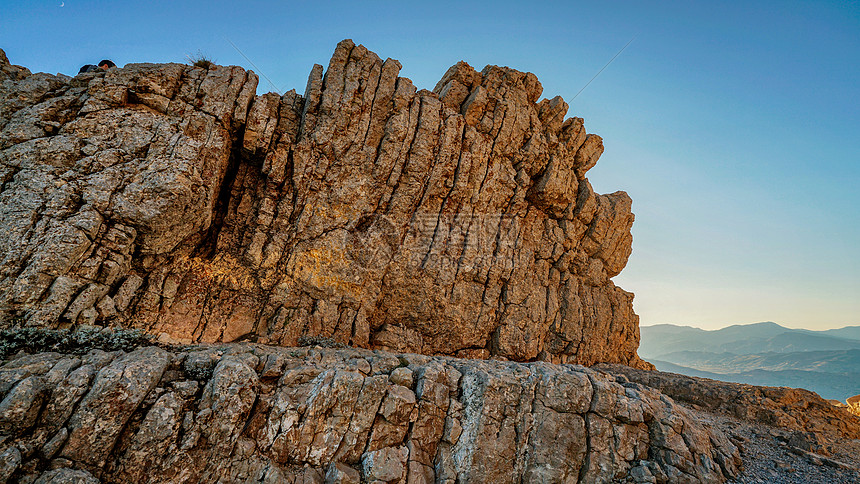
(734,126)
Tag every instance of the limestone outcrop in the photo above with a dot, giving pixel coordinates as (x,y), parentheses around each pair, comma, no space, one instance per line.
(173,199)
(255,413)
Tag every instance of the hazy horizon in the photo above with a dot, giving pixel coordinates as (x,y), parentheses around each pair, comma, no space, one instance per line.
(733,127)
(715,328)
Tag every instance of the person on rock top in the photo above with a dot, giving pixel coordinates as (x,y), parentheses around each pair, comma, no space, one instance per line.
(104,65)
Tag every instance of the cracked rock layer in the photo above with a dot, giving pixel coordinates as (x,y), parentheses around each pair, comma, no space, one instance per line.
(256,413)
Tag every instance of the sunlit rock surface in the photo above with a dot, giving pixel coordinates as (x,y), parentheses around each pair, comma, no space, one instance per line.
(172,198)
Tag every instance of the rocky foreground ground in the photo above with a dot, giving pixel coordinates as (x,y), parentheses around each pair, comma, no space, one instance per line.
(256,413)
(785,435)
(771,455)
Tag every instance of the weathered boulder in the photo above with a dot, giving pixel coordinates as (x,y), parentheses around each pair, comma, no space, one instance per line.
(256,413)
(170,198)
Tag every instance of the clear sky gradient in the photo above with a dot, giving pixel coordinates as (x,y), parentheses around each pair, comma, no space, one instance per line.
(734,126)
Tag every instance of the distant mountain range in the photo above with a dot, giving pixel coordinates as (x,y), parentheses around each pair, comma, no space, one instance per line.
(826,362)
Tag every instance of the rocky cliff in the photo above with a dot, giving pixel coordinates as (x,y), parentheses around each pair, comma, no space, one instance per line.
(173,199)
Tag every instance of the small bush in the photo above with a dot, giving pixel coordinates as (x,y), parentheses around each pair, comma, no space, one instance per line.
(200,60)
(322,341)
(78,341)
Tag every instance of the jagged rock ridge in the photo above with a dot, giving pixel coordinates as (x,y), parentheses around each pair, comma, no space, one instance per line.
(171,198)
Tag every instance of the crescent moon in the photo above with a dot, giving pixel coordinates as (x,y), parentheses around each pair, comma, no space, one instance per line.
(62,4)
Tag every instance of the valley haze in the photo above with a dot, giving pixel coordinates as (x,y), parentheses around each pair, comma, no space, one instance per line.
(826,362)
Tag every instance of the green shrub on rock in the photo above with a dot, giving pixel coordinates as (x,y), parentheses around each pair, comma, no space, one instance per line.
(75,341)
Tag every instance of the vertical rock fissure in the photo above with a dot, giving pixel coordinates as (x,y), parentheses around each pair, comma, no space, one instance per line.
(207,247)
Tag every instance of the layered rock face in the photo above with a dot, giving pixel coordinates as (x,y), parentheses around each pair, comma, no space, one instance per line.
(255,413)
(453,222)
